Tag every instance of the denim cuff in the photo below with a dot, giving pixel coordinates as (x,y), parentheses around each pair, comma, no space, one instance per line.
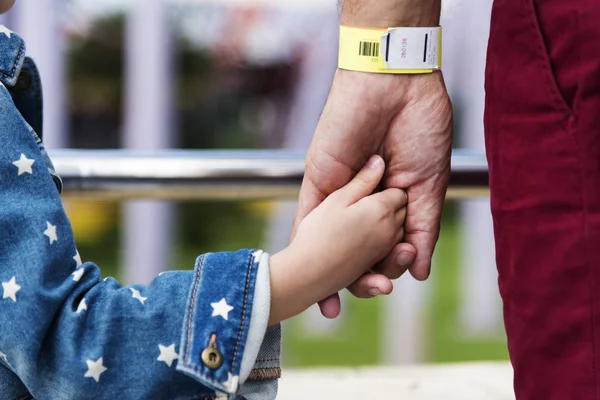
(261,309)
(263,380)
(217,320)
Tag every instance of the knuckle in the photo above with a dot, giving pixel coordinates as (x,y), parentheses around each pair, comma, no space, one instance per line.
(387,205)
(361,181)
(403,198)
(400,234)
(395,197)
(390,230)
(334,197)
(403,211)
(357,289)
(379,209)
(402,217)
(392,270)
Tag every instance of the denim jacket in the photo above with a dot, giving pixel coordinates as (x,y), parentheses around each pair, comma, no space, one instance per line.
(67,334)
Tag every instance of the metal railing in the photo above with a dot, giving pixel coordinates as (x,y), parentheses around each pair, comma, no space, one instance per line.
(215,175)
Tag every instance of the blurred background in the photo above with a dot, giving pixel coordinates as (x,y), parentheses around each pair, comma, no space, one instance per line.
(254,74)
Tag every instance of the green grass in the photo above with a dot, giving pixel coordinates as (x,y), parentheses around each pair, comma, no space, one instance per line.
(228,226)
(357,341)
(447,342)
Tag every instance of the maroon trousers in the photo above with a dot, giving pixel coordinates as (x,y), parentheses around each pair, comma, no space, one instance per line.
(542,126)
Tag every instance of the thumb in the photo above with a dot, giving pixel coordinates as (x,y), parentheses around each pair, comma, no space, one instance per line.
(310,198)
(365,182)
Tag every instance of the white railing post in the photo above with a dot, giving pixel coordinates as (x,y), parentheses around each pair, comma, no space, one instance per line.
(315,77)
(404,322)
(38,23)
(149,85)
(468,22)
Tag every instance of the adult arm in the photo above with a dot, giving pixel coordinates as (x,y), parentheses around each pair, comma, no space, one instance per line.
(405,118)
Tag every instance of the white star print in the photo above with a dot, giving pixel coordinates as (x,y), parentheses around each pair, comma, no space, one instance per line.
(77,259)
(78,274)
(221,308)
(51,232)
(24,165)
(10,289)
(5,31)
(167,354)
(137,295)
(232,382)
(95,369)
(82,306)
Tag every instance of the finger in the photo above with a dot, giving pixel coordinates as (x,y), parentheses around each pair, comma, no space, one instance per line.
(331,306)
(400,216)
(371,285)
(397,262)
(324,174)
(423,227)
(392,198)
(310,198)
(365,182)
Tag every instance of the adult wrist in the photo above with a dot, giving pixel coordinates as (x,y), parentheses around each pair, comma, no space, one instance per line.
(391,13)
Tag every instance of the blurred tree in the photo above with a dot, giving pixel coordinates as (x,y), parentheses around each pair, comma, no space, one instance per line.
(209,108)
(95,85)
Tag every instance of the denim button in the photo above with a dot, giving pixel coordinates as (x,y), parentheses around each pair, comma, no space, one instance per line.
(212,358)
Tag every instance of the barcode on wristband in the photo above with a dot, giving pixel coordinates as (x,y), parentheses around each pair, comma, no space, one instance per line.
(368,49)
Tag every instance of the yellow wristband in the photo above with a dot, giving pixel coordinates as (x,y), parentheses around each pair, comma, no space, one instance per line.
(390,51)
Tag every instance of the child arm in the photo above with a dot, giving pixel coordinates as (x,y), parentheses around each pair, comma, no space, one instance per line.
(68,334)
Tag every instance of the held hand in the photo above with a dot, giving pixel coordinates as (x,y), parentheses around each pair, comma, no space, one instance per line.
(337,242)
(408,120)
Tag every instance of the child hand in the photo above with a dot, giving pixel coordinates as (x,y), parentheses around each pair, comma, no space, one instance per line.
(337,242)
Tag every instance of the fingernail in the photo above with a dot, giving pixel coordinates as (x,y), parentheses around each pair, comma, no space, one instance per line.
(374,292)
(405,259)
(374,161)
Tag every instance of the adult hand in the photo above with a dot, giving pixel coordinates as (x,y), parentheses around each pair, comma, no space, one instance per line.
(365,226)
(407,119)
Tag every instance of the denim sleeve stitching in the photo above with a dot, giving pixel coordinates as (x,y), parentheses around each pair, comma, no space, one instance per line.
(186,358)
(240,330)
(268,359)
(191,308)
(14,69)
